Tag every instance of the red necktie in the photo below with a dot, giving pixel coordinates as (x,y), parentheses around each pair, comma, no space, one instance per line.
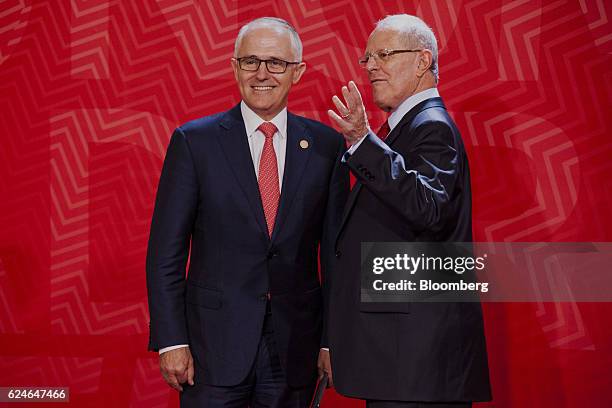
(268,176)
(383,132)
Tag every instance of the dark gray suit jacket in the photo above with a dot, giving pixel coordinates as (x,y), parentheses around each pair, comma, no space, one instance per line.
(414,187)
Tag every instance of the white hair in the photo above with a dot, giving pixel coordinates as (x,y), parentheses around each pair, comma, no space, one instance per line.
(413,29)
(273,22)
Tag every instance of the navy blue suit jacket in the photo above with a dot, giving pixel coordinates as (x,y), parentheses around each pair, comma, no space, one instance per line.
(208,201)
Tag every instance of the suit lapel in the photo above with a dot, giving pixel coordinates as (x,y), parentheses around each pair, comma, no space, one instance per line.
(397,130)
(236,148)
(295,163)
(409,116)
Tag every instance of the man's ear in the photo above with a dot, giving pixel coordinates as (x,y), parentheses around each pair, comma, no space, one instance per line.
(235,67)
(298,72)
(425,61)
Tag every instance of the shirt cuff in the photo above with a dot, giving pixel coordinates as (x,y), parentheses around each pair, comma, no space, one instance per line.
(325,348)
(353,148)
(178,346)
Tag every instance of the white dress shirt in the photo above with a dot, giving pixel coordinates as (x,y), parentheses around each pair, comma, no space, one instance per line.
(404,107)
(256,141)
(256,138)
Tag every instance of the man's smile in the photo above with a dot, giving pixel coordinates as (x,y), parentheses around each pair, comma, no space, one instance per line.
(262,88)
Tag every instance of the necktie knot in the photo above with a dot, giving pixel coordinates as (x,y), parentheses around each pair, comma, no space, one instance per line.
(268,129)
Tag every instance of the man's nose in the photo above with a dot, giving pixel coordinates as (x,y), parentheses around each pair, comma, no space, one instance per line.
(372,64)
(262,72)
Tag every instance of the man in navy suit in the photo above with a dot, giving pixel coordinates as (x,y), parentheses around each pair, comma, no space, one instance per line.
(250,195)
(413,185)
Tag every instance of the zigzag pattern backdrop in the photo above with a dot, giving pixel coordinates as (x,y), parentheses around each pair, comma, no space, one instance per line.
(91,90)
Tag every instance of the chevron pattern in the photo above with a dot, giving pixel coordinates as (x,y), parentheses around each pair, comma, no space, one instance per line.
(90,92)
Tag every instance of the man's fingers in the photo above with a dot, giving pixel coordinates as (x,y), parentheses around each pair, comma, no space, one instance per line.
(340,106)
(324,365)
(355,91)
(321,366)
(356,95)
(341,123)
(330,380)
(350,95)
(190,371)
(348,98)
(181,375)
(173,381)
(355,122)
(177,367)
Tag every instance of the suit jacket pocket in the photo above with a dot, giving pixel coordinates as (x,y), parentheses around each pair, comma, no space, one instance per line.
(207,298)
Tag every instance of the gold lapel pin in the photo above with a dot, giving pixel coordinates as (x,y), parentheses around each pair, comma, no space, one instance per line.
(304,144)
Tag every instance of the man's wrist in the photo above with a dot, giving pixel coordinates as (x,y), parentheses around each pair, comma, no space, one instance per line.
(357,143)
(360,138)
(170,348)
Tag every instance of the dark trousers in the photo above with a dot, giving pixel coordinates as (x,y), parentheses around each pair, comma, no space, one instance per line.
(264,387)
(403,404)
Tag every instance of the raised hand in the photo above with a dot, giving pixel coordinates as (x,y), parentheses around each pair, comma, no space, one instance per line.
(351,119)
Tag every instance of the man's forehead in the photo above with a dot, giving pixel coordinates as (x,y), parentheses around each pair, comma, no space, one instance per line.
(266,42)
(273,36)
(386,38)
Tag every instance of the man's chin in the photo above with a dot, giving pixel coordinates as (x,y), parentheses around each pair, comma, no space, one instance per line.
(257,102)
(262,109)
(382,105)
(261,101)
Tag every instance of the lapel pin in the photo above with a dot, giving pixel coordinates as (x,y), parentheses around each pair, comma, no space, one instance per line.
(304,144)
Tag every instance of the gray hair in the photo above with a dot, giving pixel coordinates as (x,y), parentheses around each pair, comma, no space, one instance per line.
(413,29)
(273,22)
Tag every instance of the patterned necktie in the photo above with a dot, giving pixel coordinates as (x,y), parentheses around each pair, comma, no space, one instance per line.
(383,132)
(268,176)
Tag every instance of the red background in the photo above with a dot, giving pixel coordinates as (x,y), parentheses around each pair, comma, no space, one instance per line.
(91,90)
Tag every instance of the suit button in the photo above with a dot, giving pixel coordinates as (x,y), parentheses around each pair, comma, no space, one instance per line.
(338,254)
(265,296)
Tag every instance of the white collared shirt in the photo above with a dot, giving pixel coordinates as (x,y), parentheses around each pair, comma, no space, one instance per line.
(403,108)
(396,116)
(257,139)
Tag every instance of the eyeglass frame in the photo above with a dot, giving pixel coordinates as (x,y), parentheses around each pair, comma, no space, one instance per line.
(363,61)
(287,63)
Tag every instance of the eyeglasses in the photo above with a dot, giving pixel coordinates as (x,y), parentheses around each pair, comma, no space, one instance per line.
(274,65)
(381,56)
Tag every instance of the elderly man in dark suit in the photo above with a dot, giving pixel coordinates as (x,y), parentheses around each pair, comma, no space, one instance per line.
(413,184)
(249,194)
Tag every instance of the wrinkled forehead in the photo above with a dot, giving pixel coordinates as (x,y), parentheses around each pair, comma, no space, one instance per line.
(267,42)
(388,38)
